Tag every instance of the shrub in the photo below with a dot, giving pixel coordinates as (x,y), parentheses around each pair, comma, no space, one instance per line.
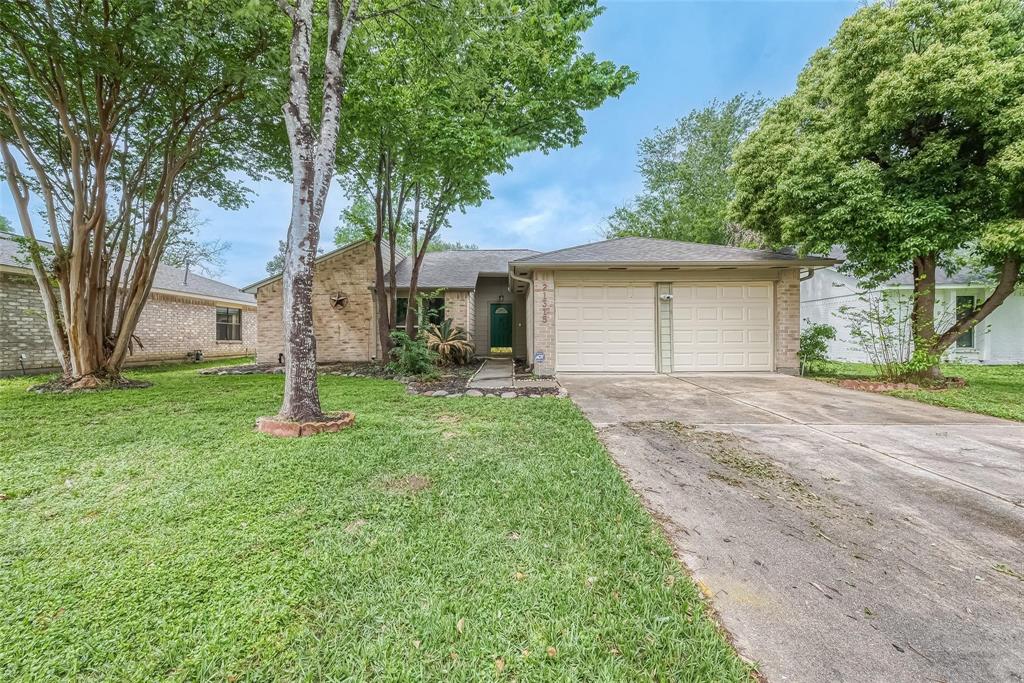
(814,341)
(449,342)
(411,356)
(883,330)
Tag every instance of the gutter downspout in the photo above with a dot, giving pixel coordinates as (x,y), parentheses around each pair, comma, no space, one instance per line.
(532,329)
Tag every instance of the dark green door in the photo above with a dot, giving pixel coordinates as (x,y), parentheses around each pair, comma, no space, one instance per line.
(501,326)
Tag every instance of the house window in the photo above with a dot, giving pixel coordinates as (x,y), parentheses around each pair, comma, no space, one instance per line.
(229,324)
(435,310)
(964,306)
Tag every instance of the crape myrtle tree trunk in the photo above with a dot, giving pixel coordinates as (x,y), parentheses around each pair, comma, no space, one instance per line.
(313,147)
(113,115)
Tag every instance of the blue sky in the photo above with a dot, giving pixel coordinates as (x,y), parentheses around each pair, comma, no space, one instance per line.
(686,54)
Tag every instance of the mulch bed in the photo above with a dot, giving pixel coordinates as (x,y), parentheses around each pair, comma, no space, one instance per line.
(63,386)
(452,382)
(349,369)
(881,387)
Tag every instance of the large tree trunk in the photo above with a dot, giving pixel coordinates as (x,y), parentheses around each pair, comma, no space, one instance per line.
(922,315)
(313,157)
(926,337)
(301,395)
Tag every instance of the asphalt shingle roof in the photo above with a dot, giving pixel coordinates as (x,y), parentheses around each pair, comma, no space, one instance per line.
(168,278)
(963,276)
(458,269)
(639,250)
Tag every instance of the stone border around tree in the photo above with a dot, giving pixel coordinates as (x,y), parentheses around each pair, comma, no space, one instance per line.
(332,422)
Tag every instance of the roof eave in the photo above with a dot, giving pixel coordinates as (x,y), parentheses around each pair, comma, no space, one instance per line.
(653,265)
(251,289)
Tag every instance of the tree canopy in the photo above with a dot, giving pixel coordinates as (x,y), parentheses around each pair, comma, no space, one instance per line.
(439,101)
(685,170)
(903,143)
(114,115)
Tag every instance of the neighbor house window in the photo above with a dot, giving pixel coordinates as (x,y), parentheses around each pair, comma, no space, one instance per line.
(964,306)
(229,324)
(435,310)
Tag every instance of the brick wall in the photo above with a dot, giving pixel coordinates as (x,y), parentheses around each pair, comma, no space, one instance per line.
(543,322)
(458,306)
(23,327)
(342,334)
(168,328)
(171,326)
(787,321)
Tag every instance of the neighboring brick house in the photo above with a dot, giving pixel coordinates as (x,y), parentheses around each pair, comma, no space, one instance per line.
(181,316)
(623,305)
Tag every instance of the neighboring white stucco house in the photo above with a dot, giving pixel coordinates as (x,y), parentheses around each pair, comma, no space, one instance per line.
(997,340)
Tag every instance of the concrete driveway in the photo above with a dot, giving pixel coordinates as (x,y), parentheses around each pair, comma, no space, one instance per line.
(842,536)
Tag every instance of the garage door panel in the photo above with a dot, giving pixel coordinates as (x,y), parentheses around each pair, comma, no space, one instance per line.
(758,313)
(605,327)
(734,337)
(724,326)
(758,336)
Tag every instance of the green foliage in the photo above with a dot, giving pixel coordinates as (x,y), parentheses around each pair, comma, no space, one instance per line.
(5,225)
(904,138)
(814,339)
(357,223)
(411,356)
(443,245)
(687,186)
(449,342)
(160,537)
(436,102)
(275,266)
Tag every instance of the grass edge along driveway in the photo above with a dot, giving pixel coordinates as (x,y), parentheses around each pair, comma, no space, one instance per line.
(996,390)
(152,534)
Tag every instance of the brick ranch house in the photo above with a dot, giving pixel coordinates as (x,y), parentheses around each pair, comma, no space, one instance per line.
(623,305)
(182,315)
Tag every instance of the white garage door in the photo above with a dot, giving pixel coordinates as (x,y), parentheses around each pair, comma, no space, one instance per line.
(721,326)
(604,326)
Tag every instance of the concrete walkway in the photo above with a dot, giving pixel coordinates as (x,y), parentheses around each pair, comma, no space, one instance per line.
(843,536)
(495,373)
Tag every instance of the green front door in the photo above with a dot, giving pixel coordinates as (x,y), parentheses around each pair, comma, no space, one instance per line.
(501,327)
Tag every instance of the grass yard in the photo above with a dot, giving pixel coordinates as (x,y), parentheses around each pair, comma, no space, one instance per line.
(991,389)
(151,534)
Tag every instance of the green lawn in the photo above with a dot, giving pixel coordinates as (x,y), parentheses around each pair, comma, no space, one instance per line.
(151,534)
(991,389)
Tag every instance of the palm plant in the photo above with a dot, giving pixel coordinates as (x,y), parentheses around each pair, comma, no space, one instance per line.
(449,342)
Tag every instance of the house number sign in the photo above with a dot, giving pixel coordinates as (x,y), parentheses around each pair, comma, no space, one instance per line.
(545,305)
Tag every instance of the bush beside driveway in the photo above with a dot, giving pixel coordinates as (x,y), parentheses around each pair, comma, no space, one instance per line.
(152,534)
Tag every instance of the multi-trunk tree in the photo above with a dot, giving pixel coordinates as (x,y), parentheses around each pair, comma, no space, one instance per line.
(441,102)
(903,143)
(112,116)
